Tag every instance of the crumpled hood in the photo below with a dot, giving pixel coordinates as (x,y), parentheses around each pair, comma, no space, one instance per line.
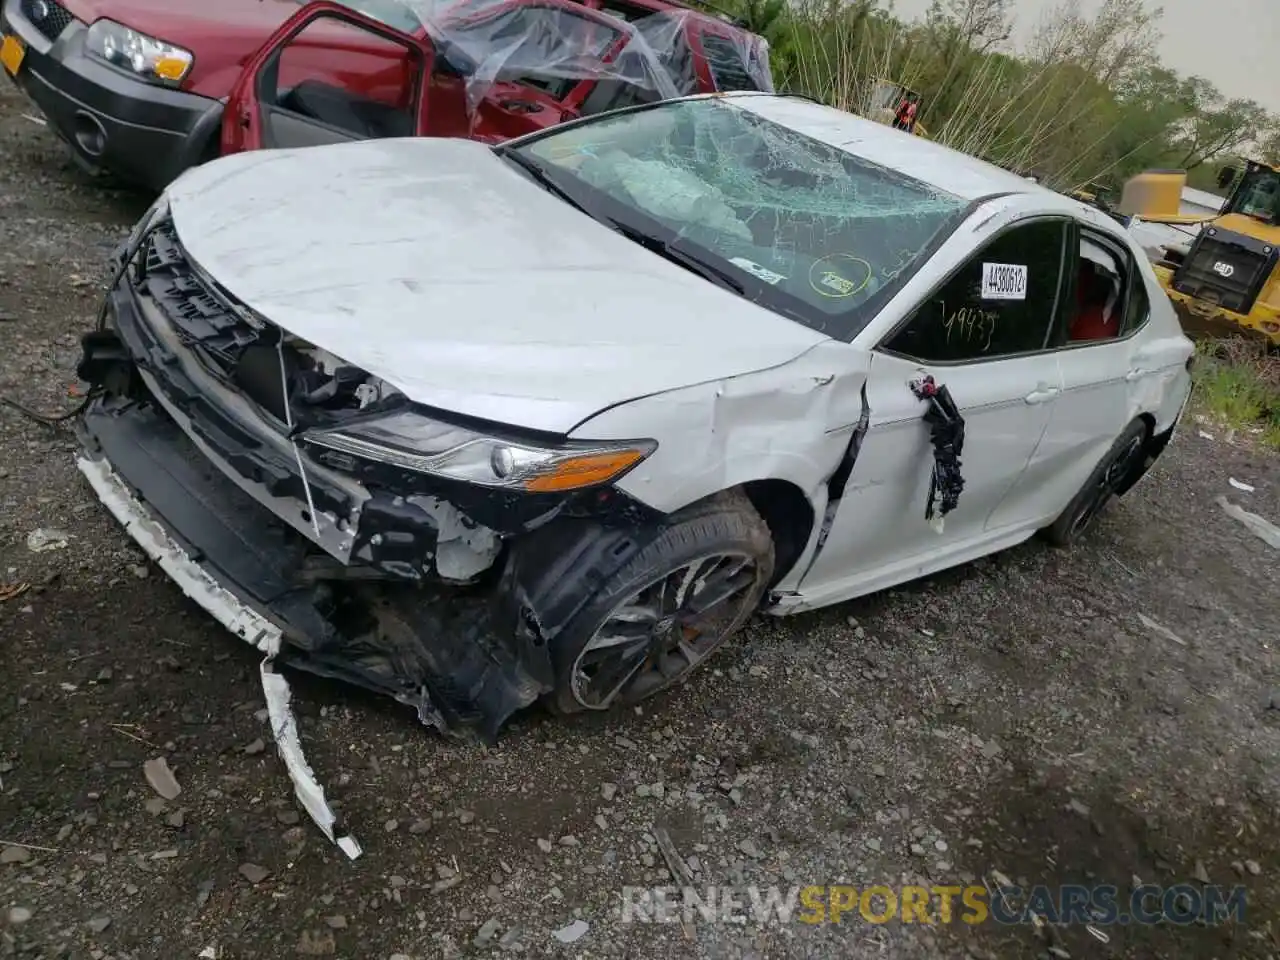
(438,267)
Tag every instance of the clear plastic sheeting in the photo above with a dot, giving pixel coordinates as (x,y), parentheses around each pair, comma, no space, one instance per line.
(734,58)
(589,60)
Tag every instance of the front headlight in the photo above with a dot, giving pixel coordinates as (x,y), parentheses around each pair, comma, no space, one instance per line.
(416,442)
(138,53)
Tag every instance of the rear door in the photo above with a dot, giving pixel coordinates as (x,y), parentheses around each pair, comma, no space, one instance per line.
(329,75)
(1109,372)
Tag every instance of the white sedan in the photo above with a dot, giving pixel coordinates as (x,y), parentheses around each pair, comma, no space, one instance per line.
(481,426)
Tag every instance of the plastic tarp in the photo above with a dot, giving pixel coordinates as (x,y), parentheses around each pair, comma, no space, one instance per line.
(554,45)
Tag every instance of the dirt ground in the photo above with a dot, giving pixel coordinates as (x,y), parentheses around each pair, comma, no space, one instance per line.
(1015,715)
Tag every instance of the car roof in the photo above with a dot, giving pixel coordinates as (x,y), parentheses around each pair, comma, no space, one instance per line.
(956,173)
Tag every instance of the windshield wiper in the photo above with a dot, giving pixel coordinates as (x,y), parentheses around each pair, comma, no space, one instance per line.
(539,173)
(691,262)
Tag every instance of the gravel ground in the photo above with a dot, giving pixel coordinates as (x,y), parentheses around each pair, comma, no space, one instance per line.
(1015,715)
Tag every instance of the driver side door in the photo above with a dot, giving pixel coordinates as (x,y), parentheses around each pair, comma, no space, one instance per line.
(984,334)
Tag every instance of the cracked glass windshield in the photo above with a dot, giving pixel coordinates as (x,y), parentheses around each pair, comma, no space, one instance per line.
(802,227)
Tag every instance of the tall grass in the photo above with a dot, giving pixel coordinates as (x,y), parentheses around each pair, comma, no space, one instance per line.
(1050,111)
(1238,384)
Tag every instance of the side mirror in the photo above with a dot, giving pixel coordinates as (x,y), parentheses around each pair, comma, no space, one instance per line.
(1226,176)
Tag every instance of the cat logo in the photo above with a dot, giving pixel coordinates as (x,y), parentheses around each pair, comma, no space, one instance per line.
(1223,270)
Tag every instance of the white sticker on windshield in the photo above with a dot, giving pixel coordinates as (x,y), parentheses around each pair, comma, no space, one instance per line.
(1004,281)
(757,271)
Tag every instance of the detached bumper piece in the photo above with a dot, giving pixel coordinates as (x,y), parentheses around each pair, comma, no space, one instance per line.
(431,649)
(237,617)
(248,570)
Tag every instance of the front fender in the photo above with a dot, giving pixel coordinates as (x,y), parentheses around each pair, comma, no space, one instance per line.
(791,423)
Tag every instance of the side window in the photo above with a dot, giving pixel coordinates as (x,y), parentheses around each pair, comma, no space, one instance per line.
(335,80)
(728,71)
(1001,302)
(1102,287)
(1139,308)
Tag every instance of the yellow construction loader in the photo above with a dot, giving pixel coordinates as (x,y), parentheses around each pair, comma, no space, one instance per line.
(1226,280)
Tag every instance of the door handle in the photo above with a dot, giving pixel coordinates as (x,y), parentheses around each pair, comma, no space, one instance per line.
(1137,373)
(1042,394)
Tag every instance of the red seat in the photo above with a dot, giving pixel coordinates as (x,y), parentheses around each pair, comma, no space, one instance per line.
(1091,321)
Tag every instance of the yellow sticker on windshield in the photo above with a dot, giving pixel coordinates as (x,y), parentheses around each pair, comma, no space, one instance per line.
(839,275)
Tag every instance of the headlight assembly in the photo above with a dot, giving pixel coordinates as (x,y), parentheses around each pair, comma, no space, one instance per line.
(144,56)
(416,442)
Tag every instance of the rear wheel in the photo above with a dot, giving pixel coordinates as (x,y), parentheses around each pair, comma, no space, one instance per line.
(652,623)
(1108,476)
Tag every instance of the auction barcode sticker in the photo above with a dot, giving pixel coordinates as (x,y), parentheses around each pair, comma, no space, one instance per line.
(1004,281)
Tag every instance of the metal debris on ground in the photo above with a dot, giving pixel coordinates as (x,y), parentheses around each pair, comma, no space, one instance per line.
(1161,630)
(1260,527)
(161,778)
(680,871)
(11,591)
(44,539)
(675,863)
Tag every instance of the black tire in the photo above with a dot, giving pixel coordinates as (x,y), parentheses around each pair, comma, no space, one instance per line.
(1087,505)
(725,526)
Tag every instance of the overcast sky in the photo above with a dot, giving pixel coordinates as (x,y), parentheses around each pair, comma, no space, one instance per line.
(1231,42)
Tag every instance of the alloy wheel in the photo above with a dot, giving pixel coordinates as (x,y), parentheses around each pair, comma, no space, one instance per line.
(1105,487)
(661,632)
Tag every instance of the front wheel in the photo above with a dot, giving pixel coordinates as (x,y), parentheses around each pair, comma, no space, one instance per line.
(670,607)
(1098,490)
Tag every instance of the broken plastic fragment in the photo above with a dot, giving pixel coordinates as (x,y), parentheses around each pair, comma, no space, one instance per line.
(1161,629)
(237,617)
(307,789)
(43,539)
(1240,485)
(573,932)
(161,778)
(1260,527)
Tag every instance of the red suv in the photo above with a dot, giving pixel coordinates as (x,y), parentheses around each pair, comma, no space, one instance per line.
(147,88)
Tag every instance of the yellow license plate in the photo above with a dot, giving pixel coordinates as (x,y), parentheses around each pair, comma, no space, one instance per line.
(12,51)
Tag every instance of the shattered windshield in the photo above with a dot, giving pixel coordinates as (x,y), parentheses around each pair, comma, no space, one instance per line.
(806,228)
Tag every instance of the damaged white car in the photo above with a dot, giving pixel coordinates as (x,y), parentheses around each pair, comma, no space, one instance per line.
(481,426)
